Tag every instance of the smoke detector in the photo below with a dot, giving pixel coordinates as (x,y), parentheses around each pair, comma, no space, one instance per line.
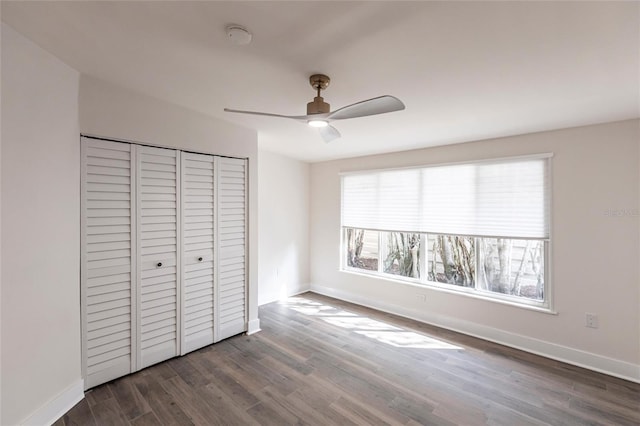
(237,34)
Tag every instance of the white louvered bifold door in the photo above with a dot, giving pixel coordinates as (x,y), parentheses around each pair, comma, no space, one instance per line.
(158,192)
(107,268)
(198,242)
(163,257)
(231,238)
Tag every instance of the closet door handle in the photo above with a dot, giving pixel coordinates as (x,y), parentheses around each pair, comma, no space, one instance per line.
(200,259)
(159,264)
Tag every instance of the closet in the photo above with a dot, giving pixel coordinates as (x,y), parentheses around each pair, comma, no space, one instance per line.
(163,265)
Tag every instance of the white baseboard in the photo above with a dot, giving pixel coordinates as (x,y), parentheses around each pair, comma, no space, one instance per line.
(253,326)
(302,288)
(57,407)
(610,366)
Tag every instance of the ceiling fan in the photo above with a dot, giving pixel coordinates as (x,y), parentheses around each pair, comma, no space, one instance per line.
(319,112)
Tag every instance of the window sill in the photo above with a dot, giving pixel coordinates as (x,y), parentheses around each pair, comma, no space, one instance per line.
(442,288)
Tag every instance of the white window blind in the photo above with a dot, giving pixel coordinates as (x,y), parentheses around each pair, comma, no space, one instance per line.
(506,198)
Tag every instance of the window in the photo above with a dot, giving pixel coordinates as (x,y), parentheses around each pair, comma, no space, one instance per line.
(452,260)
(362,249)
(512,267)
(480,228)
(401,254)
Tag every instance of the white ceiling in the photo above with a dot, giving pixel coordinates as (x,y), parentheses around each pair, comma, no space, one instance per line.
(465,70)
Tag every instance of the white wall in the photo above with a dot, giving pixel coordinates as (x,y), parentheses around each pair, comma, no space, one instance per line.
(45,106)
(283,223)
(113,112)
(40,229)
(594,260)
(0,226)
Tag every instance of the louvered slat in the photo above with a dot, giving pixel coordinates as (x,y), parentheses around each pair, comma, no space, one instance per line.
(158,193)
(231,242)
(106,260)
(198,217)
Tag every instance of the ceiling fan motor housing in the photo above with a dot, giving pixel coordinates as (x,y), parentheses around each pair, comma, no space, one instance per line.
(318,106)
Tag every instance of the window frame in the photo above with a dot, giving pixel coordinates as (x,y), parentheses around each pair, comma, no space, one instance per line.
(545,305)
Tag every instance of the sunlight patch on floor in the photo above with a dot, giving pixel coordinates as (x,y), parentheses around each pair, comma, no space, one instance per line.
(373,329)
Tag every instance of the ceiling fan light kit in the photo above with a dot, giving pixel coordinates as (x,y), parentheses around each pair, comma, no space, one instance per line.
(319,113)
(318,123)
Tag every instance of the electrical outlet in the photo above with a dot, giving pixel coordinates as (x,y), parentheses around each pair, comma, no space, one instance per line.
(591,320)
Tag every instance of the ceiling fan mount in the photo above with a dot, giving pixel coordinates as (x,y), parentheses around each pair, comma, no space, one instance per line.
(319,112)
(319,81)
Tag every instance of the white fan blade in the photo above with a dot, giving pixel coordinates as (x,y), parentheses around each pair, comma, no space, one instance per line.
(294,117)
(379,105)
(329,133)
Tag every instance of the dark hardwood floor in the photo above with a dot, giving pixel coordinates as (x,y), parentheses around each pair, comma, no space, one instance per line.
(320,361)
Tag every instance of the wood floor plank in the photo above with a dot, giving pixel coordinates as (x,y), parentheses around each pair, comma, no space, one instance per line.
(612,396)
(188,398)
(499,415)
(166,409)
(79,415)
(228,411)
(602,414)
(320,401)
(162,370)
(217,373)
(276,379)
(99,393)
(187,372)
(148,419)
(420,413)
(132,403)
(269,413)
(322,361)
(288,359)
(361,414)
(297,407)
(461,413)
(109,413)
(243,374)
